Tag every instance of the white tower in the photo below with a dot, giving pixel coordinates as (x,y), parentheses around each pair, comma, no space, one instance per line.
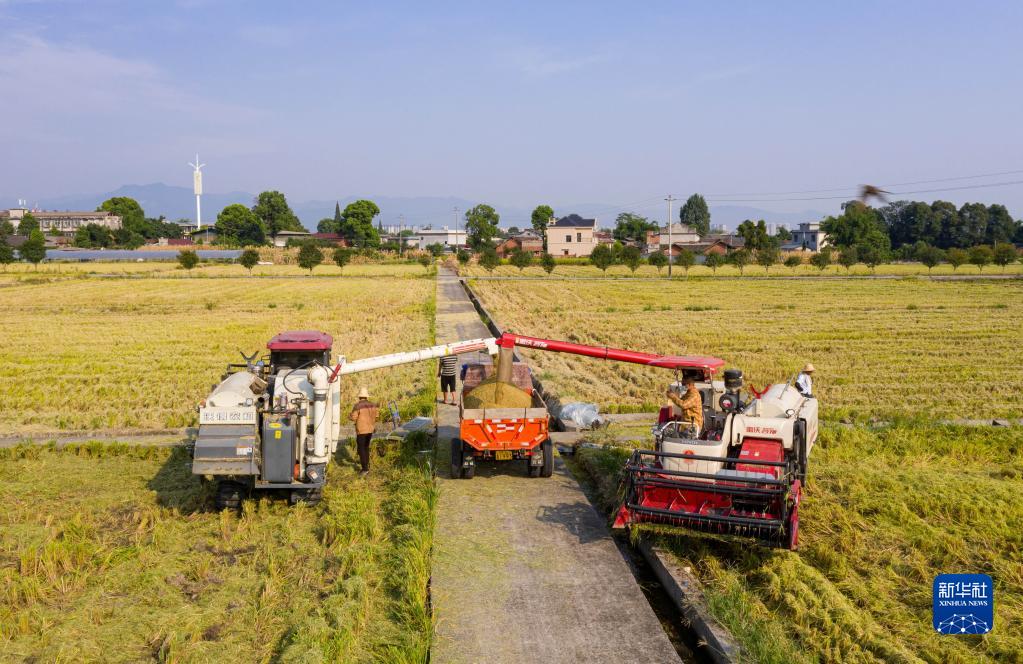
(197,187)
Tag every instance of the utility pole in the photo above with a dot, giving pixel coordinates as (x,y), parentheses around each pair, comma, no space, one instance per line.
(670,198)
(455,210)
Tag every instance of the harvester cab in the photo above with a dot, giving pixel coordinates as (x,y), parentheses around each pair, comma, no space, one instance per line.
(741,473)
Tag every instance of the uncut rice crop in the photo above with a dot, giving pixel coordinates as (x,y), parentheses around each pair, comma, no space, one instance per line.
(110,553)
(884,512)
(883,349)
(127,354)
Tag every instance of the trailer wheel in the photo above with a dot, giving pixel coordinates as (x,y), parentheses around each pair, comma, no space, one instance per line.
(547,469)
(531,470)
(468,472)
(229,495)
(456,458)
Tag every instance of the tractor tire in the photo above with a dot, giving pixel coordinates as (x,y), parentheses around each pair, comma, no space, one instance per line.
(456,458)
(470,472)
(547,469)
(229,495)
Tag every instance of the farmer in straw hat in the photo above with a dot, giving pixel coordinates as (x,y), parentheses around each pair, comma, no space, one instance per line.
(804,381)
(364,414)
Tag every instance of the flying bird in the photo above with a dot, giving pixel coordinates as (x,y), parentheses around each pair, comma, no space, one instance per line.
(868,191)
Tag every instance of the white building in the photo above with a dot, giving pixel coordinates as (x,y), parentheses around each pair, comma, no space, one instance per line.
(808,236)
(63,223)
(444,236)
(572,236)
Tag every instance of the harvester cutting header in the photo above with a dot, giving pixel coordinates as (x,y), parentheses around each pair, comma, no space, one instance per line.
(729,464)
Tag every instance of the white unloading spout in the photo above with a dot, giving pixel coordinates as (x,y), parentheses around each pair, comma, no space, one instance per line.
(320,380)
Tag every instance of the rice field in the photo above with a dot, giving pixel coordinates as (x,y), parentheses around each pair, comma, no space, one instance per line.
(884,512)
(127,354)
(883,349)
(110,553)
(215,269)
(584,270)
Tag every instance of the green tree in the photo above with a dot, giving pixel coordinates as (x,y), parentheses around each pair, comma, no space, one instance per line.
(1001,227)
(341,257)
(357,224)
(658,259)
(27,224)
(768,256)
(631,258)
(542,216)
(782,235)
(822,259)
(275,214)
(188,259)
(6,252)
(521,259)
(713,261)
(793,261)
(513,231)
(6,228)
(481,226)
(857,226)
(1003,254)
(685,259)
(548,263)
(740,258)
(930,256)
(309,256)
(632,227)
(426,260)
(956,257)
(93,235)
(248,258)
(695,214)
(601,257)
(755,235)
(329,225)
(463,257)
(488,258)
(980,256)
(133,218)
(33,249)
(128,239)
(436,249)
(872,255)
(238,225)
(848,257)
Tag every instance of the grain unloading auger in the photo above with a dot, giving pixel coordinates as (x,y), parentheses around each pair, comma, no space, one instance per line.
(275,423)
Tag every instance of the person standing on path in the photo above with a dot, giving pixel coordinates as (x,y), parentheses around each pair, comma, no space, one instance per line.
(446,369)
(364,414)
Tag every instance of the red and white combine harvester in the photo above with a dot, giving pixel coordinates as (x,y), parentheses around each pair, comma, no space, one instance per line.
(741,474)
(274,424)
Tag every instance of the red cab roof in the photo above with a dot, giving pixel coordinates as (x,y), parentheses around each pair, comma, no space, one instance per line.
(301,340)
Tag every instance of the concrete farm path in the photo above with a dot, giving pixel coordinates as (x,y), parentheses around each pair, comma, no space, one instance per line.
(525,570)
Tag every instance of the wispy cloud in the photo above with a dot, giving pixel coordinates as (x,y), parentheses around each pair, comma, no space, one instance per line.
(540,63)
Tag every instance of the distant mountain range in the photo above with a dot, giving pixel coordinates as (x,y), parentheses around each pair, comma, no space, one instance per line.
(179,203)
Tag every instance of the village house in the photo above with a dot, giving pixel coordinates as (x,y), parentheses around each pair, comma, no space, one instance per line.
(808,237)
(572,236)
(527,241)
(445,237)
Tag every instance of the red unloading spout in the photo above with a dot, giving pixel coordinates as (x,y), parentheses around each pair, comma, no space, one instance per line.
(708,364)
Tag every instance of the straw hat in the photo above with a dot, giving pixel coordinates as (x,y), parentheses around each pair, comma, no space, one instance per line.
(808,368)
(363,393)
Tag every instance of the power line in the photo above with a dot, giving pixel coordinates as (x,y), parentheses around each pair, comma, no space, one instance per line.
(856,187)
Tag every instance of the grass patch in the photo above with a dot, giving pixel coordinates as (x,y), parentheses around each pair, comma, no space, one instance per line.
(109,553)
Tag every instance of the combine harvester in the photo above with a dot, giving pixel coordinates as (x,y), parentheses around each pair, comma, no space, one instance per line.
(275,423)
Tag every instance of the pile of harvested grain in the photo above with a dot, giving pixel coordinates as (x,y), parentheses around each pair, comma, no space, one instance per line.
(493,394)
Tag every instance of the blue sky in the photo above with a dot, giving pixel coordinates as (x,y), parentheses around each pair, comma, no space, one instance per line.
(517,104)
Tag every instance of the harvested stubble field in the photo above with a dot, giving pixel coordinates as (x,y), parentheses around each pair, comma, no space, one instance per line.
(910,348)
(108,553)
(806,270)
(129,354)
(886,509)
